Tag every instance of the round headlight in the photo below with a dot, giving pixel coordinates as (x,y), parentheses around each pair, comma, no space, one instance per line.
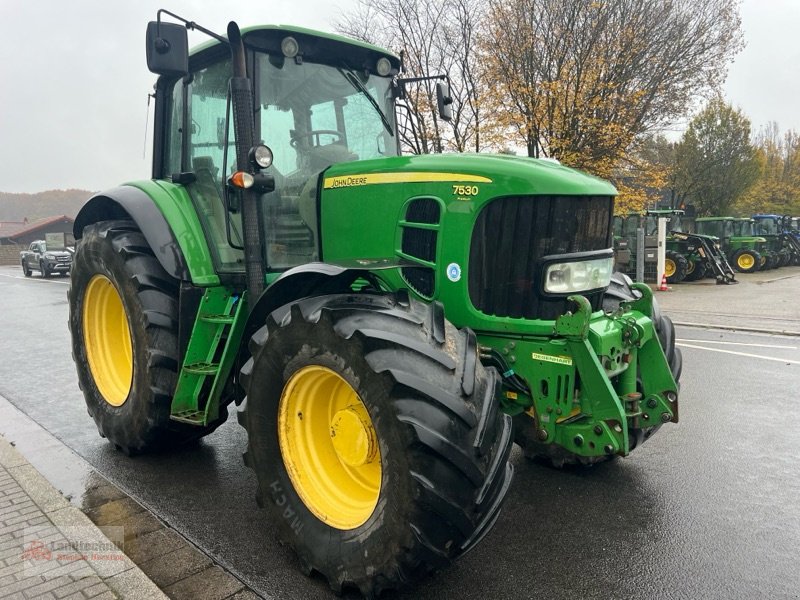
(290,47)
(261,155)
(384,67)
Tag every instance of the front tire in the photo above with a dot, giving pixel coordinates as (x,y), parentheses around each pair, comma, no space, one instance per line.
(26,269)
(376,437)
(696,269)
(124,320)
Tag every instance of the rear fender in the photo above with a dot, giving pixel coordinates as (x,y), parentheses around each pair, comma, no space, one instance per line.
(156,213)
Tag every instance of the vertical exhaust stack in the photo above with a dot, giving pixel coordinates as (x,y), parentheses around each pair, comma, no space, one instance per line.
(242,102)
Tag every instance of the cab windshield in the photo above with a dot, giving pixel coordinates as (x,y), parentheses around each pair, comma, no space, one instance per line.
(312,116)
(766,226)
(743,228)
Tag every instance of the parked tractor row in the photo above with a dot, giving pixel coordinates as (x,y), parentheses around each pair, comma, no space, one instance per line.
(715,247)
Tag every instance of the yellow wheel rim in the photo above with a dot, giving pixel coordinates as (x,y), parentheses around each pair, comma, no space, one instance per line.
(746,261)
(107,337)
(669,267)
(329,447)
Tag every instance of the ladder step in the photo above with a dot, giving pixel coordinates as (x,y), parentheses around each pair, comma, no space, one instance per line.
(193,417)
(218,319)
(201,368)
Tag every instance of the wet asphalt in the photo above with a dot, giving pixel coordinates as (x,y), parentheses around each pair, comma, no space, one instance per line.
(708,508)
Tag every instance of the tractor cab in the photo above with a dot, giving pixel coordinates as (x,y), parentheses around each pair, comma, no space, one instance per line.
(318,101)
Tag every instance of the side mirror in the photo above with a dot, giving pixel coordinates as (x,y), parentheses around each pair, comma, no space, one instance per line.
(444,101)
(167,49)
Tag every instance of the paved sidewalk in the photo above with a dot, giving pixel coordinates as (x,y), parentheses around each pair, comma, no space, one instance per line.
(761,302)
(50,550)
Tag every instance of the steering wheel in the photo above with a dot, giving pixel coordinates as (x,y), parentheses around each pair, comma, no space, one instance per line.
(314,136)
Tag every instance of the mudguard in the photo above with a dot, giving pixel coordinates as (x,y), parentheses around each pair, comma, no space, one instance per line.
(126,202)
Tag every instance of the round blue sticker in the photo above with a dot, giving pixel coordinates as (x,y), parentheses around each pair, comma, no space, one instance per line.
(453,272)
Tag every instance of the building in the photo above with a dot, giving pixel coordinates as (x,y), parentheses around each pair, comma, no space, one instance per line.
(18,235)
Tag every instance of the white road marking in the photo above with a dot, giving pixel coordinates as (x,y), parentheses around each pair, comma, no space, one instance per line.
(65,282)
(782,360)
(736,344)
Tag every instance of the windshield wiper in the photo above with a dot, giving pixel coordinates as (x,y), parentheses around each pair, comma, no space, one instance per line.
(356,83)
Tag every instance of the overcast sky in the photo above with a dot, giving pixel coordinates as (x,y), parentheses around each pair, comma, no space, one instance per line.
(74,84)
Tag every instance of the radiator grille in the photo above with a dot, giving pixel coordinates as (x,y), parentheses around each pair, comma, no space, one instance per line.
(513,234)
(418,243)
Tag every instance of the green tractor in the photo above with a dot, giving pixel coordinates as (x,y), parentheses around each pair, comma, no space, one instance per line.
(387,325)
(745,251)
(771,227)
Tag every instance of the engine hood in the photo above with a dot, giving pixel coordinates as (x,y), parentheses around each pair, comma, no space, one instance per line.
(512,174)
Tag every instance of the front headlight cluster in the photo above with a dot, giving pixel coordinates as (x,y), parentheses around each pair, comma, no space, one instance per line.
(578,276)
(50,256)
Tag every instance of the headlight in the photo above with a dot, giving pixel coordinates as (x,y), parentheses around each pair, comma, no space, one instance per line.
(578,276)
(50,256)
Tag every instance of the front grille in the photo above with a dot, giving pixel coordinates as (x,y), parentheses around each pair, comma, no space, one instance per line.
(420,244)
(513,234)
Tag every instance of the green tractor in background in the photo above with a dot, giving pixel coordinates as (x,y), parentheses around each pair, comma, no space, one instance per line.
(771,227)
(688,256)
(380,320)
(746,252)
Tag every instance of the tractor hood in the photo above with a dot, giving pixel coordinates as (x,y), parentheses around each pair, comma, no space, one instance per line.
(511,174)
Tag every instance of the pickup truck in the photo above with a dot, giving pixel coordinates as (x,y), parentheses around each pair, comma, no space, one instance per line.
(38,258)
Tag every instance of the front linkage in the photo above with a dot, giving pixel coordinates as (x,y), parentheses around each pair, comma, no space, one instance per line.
(598,387)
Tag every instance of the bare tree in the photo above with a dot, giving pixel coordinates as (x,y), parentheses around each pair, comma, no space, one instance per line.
(435,38)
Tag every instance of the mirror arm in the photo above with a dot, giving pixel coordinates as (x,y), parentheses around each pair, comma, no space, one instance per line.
(190,25)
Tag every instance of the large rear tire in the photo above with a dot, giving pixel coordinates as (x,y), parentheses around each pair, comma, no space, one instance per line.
(746,260)
(675,266)
(376,437)
(123,320)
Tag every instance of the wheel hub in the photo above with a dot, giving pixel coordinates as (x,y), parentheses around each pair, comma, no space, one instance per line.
(329,447)
(353,437)
(107,339)
(746,261)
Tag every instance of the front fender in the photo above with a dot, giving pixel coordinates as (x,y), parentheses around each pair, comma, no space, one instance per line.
(312,279)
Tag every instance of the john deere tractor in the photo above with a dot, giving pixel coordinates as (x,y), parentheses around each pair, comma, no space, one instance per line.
(380,320)
(745,251)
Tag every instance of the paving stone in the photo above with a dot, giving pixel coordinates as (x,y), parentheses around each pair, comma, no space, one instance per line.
(114,511)
(210,584)
(154,544)
(166,570)
(77,586)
